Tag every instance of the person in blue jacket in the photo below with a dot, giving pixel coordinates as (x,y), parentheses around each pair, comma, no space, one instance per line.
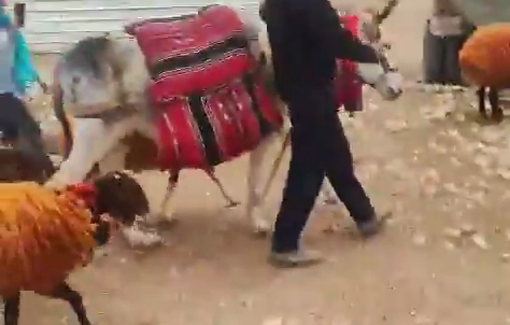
(17,75)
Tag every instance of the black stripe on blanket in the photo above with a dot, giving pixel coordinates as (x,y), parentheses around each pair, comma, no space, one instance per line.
(209,138)
(211,146)
(264,125)
(217,50)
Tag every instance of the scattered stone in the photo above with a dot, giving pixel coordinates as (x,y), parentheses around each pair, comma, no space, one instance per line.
(453,233)
(475,128)
(507,234)
(395,126)
(419,240)
(467,230)
(273,321)
(456,162)
(490,150)
(372,107)
(482,161)
(503,173)
(480,241)
(452,188)
(492,135)
(423,320)
(505,258)
(460,118)
(449,246)
(437,112)
(504,158)
(437,148)
(478,197)
(429,181)
(454,134)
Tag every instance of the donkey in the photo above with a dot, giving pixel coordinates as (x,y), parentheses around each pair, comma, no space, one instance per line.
(107,124)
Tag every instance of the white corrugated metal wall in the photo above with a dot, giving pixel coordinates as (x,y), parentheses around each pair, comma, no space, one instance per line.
(52,26)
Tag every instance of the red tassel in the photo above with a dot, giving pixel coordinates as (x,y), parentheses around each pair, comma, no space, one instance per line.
(86,192)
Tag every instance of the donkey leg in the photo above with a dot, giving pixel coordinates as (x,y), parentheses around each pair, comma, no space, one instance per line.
(230,201)
(92,141)
(166,210)
(328,194)
(255,202)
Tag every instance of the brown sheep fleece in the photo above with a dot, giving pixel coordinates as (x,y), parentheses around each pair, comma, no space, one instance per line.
(46,234)
(485,57)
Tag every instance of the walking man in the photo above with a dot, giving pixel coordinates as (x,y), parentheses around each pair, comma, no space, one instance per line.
(306,38)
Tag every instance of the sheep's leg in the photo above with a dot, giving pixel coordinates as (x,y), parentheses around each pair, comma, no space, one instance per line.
(497,112)
(481,102)
(64,292)
(11,309)
(230,201)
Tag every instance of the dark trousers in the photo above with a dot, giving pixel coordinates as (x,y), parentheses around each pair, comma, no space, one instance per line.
(319,149)
(441,57)
(16,124)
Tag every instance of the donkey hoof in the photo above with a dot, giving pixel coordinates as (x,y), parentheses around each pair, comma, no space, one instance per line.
(262,229)
(137,238)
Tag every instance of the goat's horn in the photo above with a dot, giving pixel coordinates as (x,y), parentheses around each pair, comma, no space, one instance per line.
(386,11)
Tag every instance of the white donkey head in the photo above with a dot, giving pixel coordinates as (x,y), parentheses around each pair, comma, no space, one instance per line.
(384,78)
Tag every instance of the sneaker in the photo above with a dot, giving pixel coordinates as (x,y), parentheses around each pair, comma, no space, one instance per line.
(372,227)
(297,258)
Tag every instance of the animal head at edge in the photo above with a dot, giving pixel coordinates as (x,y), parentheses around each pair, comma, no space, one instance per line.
(384,77)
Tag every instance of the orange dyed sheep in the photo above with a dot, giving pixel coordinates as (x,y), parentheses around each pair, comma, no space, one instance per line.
(45,235)
(485,61)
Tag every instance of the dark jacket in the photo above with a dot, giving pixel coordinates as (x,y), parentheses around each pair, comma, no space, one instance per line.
(306,37)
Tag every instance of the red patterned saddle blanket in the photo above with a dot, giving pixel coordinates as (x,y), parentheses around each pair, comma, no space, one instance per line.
(213,104)
(349,89)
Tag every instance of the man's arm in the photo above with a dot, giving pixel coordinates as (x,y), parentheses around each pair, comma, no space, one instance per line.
(324,22)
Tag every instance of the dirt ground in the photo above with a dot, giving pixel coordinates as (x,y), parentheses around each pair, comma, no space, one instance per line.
(443,259)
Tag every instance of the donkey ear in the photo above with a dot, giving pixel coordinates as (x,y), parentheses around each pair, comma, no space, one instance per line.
(386,11)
